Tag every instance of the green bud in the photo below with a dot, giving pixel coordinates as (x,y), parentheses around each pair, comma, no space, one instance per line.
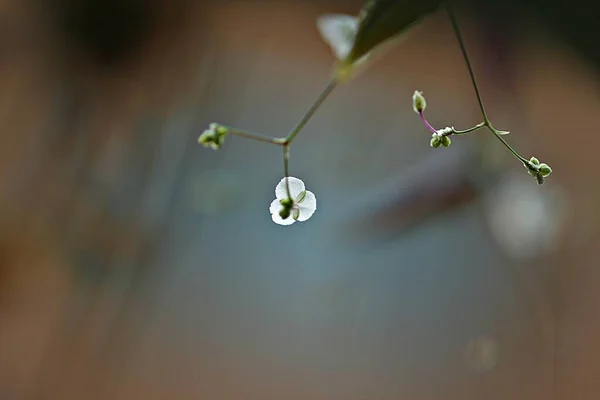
(540,179)
(207,138)
(286,203)
(435,141)
(295,214)
(419,103)
(221,130)
(531,168)
(545,169)
(219,140)
(534,161)
(284,213)
(446,141)
(213,137)
(301,196)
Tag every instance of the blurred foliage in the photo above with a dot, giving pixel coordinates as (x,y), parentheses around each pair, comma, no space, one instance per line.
(573,21)
(384,19)
(107,30)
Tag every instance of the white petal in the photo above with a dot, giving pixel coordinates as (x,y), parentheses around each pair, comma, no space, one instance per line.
(275,206)
(274,209)
(308,206)
(296,186)
(280,221)
(339,32)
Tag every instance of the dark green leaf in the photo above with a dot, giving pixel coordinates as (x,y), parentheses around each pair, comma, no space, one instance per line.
(382,20)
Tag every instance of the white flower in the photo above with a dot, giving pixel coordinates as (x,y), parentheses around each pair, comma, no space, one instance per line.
(339,32)
(304,202)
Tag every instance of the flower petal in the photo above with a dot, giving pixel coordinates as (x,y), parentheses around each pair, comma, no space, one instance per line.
(296,186)
(280,221)
(295,213)
(339,32)
(275,206)
(300,197)
(274,209)
(308,206)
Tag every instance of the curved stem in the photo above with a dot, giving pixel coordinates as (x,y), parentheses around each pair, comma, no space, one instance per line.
(427,124)
(464,131)
(465,54)
(463,49)
(313,108)
(508,146)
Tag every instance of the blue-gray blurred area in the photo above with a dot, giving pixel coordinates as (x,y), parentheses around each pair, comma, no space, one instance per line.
(137,264)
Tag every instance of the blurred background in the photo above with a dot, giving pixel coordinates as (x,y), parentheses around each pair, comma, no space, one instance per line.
(135,263)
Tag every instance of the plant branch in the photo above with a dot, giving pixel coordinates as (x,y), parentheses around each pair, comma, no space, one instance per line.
(313,108)
(286,169)
(464,131)
(463,49)
(254,136)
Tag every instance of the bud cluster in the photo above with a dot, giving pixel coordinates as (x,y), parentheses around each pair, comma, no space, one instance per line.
(537,170)
(213,137)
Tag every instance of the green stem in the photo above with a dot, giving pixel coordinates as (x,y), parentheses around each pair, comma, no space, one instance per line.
(285,142)
(508,146)
(254,136)
(463,49)
(299,126)
(286,172)
(476,127)
(306,117)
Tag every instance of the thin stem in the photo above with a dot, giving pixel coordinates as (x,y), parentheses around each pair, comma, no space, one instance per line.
(465,54)
(454,131)
(254,136)
(427,124)
(462,132)
(306,117)
(508,146)
(286,171)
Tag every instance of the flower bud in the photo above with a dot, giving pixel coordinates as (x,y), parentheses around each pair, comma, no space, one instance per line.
(285,212)
(540,179)
(531,166)
(419,103)
(295,214)
(537,170)
(545,169)
(445,131)
(213,137)
(220,130)
(286,203)
(445,140)
(435,141)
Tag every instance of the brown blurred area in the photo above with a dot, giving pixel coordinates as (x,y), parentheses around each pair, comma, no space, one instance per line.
(136,264)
